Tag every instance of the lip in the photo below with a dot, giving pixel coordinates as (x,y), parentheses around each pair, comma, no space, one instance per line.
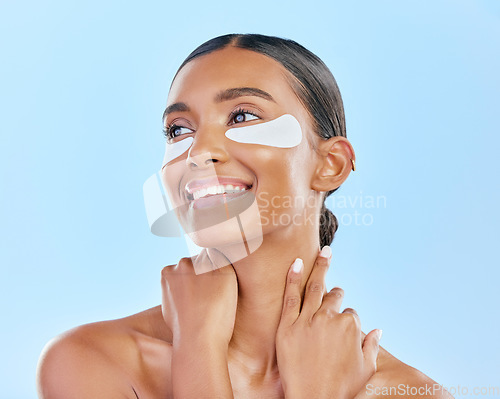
(198,184)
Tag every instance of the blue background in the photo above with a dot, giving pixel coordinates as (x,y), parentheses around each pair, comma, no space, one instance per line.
(82,89)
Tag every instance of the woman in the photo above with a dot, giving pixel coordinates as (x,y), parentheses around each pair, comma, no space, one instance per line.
(248,317)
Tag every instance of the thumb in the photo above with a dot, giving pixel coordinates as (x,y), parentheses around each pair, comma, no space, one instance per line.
(370,348)
(292,298)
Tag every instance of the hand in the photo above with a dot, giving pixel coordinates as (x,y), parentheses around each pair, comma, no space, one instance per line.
(200,310)
(199,305)
(320,352)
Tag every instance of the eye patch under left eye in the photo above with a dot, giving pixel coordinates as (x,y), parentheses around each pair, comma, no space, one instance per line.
(282,132)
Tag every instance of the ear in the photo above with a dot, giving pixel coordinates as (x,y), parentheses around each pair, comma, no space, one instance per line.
(334,164)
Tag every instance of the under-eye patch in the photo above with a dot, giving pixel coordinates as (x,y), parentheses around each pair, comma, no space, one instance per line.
(282,132)
(174,150)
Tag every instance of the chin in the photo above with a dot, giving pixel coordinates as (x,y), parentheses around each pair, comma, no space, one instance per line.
(236,238)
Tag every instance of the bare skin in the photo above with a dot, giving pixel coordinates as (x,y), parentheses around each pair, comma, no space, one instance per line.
(134,353)
(132,357)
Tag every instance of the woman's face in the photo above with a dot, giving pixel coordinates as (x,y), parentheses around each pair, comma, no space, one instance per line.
(279,179)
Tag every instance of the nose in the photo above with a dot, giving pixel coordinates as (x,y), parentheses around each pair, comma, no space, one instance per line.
(207,148)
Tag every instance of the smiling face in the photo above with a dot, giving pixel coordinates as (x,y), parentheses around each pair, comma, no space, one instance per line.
(227,89)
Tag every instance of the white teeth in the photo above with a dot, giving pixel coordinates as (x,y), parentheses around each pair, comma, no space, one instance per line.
(219,189)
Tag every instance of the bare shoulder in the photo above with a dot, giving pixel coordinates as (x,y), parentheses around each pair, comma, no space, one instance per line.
(395,379)
(96,360)
(77,363)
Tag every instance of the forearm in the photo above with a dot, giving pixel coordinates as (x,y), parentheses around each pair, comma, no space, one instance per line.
(297,395)
(334,390)
(199,369)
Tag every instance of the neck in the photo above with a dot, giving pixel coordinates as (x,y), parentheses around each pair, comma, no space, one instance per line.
(261,285)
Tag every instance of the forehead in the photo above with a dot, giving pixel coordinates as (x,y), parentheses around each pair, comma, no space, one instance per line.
(227,68)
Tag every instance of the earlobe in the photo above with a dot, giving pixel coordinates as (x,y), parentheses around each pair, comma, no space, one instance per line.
(336,161)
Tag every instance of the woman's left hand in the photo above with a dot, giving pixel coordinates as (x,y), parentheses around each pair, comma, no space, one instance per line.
(322,353)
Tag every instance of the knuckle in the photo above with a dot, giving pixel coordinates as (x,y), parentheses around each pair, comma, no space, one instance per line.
(337,292)
(185,266)
(349,319)
(327,313)
(319,317)
(292,301)
(315,286)
(324,317)
(292,279)
(166,271)
(330,313)
(184,262)
(322,262)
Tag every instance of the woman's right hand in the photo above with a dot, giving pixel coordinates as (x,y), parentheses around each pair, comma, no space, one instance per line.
(199,305)
(200,310)
(322,353)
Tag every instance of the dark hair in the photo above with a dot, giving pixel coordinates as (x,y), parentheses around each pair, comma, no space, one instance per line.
(314,85)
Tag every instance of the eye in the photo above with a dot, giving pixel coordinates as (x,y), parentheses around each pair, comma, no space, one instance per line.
(173,131)
(242,115)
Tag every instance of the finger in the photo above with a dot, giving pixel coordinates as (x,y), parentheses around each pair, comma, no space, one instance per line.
(202,263)
(315,286)
(371,348)
(352,319)
(333,299)
(219,261)
(291,299)
(353,312)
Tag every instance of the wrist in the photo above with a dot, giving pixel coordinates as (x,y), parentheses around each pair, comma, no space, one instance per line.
(200,369)
(292,393)
(201,342)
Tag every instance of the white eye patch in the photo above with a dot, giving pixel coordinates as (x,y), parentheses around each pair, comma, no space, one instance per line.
(176,149)
(282,132)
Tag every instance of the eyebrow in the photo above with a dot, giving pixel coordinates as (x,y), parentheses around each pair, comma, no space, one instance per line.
(223,95)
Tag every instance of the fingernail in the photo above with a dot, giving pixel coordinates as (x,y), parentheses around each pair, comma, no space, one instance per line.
(297,265)
(379,333)
(326,252)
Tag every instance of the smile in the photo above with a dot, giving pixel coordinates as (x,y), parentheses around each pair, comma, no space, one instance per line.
(215,188)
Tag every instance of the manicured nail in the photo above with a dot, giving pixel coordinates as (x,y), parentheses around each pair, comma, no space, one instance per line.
(326,252)
(297,265)
(379,333)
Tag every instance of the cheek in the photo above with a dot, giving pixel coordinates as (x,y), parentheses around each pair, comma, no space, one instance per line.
(281,179)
